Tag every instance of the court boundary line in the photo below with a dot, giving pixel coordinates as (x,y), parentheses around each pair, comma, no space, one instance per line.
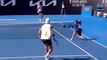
(92,40)
(19,28)
(52,56)
(35,22)
(76,45)
(96,42)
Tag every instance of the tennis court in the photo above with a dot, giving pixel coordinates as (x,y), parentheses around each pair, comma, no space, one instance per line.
(19,39)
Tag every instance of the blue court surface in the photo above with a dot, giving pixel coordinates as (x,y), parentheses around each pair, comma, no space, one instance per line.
(19,39)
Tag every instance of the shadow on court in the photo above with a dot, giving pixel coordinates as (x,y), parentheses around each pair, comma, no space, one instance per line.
(73,58)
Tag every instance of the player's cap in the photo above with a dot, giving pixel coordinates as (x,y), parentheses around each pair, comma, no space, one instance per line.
(47,20)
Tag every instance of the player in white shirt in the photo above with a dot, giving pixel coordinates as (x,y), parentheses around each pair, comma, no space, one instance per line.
(46,33)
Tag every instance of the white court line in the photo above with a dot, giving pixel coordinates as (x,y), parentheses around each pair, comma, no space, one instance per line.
(52,56)
(96,41)
(76,45)
(19,28)
(92,40)
(22,23)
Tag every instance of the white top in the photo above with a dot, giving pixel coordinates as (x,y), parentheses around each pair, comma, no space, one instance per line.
(39,7)
(63,6)
(46,31)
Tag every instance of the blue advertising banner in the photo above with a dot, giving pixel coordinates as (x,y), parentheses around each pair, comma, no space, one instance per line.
(86,10)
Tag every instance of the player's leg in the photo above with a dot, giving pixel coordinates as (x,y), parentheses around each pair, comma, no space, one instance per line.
(64,12)
(39,16)
(46,45)
(61,11)
(46,48)
(46,51)
(73,35)
(50,49)
(79,33)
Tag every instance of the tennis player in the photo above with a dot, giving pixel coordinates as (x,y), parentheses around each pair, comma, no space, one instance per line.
(40,12)
(63,11)
(46,33)
(77,29)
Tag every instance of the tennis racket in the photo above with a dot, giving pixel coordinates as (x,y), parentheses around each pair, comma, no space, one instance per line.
(55,41)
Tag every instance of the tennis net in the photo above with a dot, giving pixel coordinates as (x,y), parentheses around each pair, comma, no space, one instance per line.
(27,30)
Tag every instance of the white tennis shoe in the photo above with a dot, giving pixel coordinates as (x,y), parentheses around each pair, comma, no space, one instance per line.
(46,57)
